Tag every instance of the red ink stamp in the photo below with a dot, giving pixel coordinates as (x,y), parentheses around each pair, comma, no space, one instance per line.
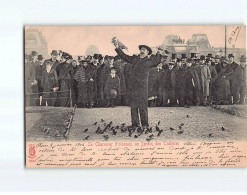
(31,151)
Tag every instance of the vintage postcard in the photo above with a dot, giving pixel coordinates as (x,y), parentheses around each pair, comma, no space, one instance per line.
(135,96)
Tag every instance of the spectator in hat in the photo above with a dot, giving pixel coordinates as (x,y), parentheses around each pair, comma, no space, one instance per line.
(174,57)
(217,63)
(92,86)
(82,77)
(180,87)
(192,84)
(139,82)
(169,85)
(112,87)
(239,82)
(34,99)
(233,66)
(204,75)
(49,84)
(28,80)
(120,65)
(223,95)
(65,75)
(214,76)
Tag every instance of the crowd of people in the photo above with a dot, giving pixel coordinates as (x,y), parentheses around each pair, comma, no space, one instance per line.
(103,81)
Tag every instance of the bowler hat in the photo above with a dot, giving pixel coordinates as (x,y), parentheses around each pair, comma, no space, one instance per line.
(217,57)
(209,55)
(174,55)
(183,55)
(54,53)
(242,58)
(48,62)
(230,55)
(34,53)
(202,57)
(189,60)
(40,57)
(146,47)
(96,56)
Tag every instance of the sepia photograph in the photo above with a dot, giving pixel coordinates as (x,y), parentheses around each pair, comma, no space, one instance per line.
(116,85)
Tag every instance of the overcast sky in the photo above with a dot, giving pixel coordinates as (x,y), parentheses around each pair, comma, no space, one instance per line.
(76,39)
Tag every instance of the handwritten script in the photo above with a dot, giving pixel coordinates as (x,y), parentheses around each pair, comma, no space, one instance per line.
(137,154)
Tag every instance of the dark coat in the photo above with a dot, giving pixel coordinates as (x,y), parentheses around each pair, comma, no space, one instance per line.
(191,73)
(168,83)
(120,72)
(180,85)
(112,83)
(139,77)
(153,82)
(49,80)
(223,84)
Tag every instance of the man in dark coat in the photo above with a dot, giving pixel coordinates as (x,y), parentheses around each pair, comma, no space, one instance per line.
(180,87)
(233,66)
(139,82)
(65,75)
(192,83)
(53,59)
(169,85)
(239,82)
(82,77)
(92,86)
(35,101)
(49,83)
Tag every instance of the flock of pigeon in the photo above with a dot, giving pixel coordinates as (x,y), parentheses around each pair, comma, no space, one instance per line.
(108,129)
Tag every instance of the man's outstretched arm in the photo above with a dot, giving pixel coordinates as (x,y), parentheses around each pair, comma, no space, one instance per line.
(124,56)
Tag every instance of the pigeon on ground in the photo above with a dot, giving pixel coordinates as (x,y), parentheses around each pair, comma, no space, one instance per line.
(210,135)
(106,137)
(223,129)
(180,132)
(86,138)
(149,139)
(98,130)
(114,132)
(182,124)
(102,120)
(157,128)
(180,127)
(85,130)
(172,129)
(136,136)
(159,123)
(160,132)
(151,135)
(95,123)
(188,116)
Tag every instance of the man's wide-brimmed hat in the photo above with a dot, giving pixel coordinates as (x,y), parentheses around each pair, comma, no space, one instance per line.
(146,47)
(40,57)
(230,55)
(242,58)
(54,53)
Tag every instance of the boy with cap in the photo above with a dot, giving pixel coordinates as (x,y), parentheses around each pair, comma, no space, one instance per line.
(112,87)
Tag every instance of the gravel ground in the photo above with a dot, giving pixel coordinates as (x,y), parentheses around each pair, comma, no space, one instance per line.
(200,123)
(46,123)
